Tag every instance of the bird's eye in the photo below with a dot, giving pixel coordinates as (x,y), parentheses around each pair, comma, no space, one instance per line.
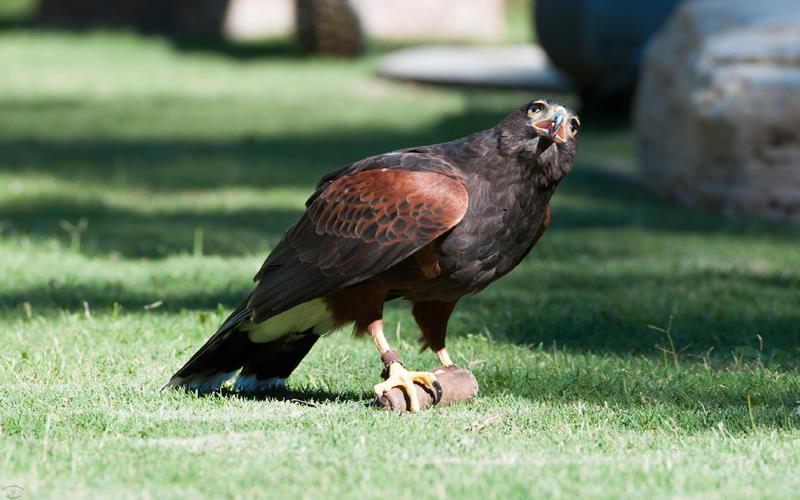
(574,125)
(536,107)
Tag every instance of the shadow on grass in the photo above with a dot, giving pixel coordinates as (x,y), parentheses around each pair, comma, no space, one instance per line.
(605,199)
(304,397)
(273,48)
(100,298)
(665,397)
(131,233)
(579,311)
(175,165)
(583,308)
(617,313)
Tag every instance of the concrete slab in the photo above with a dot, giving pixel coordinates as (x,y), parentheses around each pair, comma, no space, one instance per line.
(494,66)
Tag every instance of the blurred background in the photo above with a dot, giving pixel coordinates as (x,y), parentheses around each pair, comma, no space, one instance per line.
(137,130)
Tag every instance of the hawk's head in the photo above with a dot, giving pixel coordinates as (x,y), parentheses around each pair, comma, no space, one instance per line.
(553,121)
(543,133)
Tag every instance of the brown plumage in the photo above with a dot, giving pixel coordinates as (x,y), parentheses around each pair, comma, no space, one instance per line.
(428,224)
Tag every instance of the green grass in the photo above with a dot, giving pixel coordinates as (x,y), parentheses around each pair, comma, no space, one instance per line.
(154,145)
(519,21)
(13,10)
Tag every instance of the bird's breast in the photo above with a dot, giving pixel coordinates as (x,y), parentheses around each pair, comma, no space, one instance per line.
(495,234)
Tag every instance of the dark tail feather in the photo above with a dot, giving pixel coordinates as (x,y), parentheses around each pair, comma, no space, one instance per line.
(264,366)
(271,363)
(219,359)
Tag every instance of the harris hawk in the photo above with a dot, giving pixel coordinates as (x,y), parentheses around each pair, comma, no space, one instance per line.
(429,224)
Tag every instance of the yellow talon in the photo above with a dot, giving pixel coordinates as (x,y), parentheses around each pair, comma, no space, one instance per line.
(400,377)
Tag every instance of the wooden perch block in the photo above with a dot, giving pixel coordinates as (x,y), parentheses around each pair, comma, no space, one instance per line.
(457,384)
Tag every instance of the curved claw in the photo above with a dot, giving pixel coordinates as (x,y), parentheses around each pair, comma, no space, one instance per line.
(400,377)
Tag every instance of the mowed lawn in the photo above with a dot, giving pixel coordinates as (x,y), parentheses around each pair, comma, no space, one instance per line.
(642,349)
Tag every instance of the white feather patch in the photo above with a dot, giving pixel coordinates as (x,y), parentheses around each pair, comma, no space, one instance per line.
(313,314)
(201,382)
(250,383)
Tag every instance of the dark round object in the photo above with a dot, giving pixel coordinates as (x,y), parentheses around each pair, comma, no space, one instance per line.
(599,43)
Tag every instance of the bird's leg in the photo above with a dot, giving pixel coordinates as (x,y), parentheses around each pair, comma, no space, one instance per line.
(398,376)
(432,317)
(444,358)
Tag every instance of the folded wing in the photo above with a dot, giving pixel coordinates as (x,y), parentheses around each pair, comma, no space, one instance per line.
(356,226)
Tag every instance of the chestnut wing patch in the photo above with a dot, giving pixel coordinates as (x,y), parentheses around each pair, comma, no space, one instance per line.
(359,226)
(388,207)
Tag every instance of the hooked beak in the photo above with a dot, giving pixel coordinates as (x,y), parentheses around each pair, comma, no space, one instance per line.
(553,126)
